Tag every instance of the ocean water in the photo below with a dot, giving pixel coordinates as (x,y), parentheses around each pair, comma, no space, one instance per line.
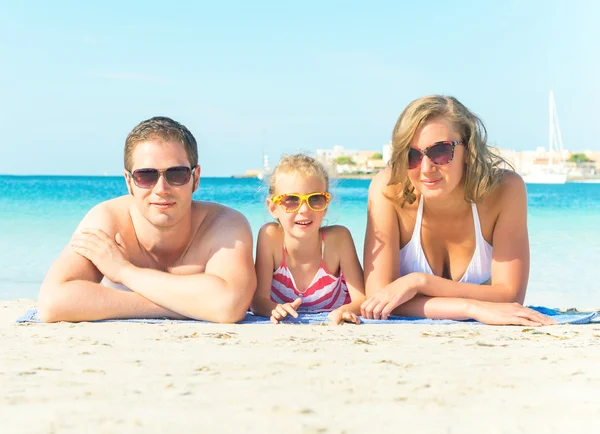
(39,214)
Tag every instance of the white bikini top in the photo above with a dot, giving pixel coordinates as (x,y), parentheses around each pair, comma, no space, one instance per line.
(479,271)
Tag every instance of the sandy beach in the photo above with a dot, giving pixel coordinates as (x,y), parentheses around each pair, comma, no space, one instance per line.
(131,377)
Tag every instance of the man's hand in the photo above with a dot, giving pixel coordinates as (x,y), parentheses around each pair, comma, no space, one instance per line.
(340,316)
(381,304)
(282,310)
(108,255)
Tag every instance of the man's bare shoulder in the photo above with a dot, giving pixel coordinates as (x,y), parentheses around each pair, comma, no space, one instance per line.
(111,216)
(271,230)
(216,220)
(215,211)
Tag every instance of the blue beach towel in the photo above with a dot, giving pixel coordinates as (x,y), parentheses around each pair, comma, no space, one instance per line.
(320,318)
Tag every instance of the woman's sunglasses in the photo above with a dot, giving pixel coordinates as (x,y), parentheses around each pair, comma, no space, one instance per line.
(439,153)
(175,176)
(291,202)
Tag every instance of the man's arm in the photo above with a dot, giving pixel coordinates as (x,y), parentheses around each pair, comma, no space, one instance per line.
(221,294)
(71,290)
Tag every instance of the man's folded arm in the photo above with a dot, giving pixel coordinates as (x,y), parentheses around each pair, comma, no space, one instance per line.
(72,292)
(221,294)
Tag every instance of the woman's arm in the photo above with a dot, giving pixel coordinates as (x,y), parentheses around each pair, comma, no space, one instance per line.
(381,258)
(482,311)
(510,257)
(442,298)
(341,238)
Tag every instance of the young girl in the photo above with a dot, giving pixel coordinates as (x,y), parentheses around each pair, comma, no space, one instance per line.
(301,266)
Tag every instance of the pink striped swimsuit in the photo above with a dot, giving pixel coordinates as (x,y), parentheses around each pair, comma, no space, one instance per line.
(325,293)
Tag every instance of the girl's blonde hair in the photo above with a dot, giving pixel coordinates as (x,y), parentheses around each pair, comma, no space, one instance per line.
(298,163)
(483,170)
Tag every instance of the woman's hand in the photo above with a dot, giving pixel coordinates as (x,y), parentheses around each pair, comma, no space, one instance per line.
(506,314)
(282,310)
(381,304)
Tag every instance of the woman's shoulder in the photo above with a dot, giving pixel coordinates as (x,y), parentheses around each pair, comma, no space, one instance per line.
(510,188)
(510,183)
(511,179)
(380,190)
(380,182)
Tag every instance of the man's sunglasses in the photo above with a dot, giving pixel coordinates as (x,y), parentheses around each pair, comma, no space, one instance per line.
(291,202)
(175,176)
(439,153)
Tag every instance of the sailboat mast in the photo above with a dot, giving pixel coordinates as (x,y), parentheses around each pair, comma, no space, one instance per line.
(558,135)
(551,128)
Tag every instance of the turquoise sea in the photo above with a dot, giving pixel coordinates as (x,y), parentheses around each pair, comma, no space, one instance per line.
(39,213)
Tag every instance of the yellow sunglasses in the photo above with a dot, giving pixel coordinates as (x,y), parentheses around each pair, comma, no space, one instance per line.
(291,202)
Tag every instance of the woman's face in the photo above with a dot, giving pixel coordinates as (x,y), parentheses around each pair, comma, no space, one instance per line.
(432,180)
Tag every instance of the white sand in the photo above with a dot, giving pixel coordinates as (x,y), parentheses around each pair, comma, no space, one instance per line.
(190,378)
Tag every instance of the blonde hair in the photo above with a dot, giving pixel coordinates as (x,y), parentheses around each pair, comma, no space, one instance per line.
(298,163)
(483,170)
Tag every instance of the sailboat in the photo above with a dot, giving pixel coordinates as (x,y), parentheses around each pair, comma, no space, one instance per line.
(552,172)
(266,170)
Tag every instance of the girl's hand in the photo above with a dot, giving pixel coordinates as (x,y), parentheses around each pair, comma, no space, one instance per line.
(340,316)
(381,304)
(282,310)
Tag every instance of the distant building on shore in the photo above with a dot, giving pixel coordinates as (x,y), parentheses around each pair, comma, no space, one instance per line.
(350,162)
(525,162)
(344,162)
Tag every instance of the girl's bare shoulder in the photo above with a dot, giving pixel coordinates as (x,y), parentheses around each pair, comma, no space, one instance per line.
(337,235)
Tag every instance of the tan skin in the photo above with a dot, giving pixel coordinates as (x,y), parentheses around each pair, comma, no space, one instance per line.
(448,239)
(172,253)
(300,231)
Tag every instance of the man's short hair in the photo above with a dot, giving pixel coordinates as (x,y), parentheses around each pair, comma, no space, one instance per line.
(162,128)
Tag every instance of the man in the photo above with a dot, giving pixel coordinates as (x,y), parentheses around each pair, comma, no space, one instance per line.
(154,252)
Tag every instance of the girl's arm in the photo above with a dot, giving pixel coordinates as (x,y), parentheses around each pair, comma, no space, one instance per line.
(261,302)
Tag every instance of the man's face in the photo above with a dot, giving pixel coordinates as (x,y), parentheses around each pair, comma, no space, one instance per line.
(163,204)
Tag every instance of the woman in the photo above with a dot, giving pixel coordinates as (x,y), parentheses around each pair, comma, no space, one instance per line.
(447,226)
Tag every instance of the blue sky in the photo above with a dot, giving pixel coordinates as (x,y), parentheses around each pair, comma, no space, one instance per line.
(279,76)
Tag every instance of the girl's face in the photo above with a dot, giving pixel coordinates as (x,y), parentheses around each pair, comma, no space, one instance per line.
(304,221)
(429,179)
